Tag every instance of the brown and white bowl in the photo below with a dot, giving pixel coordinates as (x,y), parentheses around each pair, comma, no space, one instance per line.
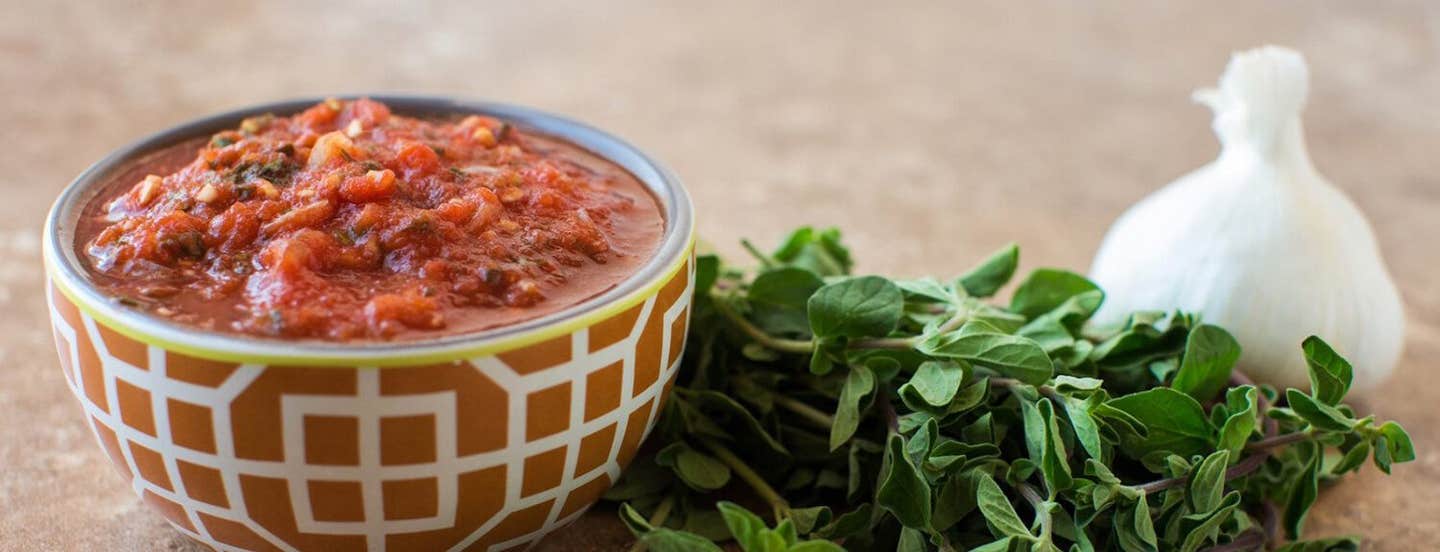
(479,441)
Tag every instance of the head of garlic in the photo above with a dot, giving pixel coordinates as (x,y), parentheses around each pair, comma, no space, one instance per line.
(1258,241)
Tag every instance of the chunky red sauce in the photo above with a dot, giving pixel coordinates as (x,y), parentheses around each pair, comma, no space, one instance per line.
(348,222)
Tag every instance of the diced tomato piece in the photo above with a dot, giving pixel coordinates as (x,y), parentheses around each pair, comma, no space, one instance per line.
(457,210)
(369,112)
(370,187)
(236,227)
(391,312)
(417,160)
(319,116)
(304,250)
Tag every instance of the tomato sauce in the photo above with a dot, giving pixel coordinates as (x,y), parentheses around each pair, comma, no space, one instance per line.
(348,222)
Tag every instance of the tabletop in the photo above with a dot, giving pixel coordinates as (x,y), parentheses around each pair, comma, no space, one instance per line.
(931,133)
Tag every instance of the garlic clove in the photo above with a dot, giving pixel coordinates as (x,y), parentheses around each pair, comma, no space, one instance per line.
(1258,241)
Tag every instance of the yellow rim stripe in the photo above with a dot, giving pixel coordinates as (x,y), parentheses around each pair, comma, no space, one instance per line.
(401,355)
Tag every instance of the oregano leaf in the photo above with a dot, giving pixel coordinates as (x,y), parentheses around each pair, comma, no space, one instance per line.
(1318,414)
(859,383)
(1397,442)
(992,273)
(1302,492)
(998,512)
(1330,374)
(697,469)
(1207,484)
(778,299)
(902,490)
(1352,459)
(747,528)
(1174,423)
(1241,423)
(668,540)
(911,540)
(1046,289)
(935,383)
(1210,354)
(856,307)
(1087,432)
(983,344)
(1209,528)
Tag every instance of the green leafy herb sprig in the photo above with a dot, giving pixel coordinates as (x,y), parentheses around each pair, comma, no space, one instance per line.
(869,413)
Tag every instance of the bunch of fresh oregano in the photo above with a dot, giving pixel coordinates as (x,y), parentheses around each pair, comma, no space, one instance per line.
(867,413)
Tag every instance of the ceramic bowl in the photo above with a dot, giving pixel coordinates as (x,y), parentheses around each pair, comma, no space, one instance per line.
(481,441)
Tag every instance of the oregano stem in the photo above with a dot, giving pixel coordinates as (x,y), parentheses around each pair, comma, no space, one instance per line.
(805,411)
(754,332)
(1270,520)
(897,343)
(755,252)
(1042,512)
(662,513)
(1249,540)
(1012,383)
(1241,469)
(960,317)
(1278,441)
(1031,495)
(887,410)
(778,504)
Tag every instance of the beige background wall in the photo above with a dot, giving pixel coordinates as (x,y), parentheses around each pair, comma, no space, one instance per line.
(932,134)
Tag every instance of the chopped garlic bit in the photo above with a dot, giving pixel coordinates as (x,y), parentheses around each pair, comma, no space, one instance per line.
(149,189)
(266,189)
(483,169)
(333,145)
(253,125)
(382,177)
(207,194)
(511,194)
(484,136)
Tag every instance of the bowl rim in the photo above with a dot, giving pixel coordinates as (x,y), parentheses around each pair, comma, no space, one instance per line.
(65,273)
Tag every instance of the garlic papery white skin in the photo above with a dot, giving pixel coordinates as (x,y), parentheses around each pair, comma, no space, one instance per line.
(1258,242)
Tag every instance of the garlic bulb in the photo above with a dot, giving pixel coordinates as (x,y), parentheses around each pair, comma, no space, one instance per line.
(1258,241)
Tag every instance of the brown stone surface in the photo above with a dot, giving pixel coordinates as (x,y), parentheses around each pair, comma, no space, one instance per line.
(932,134)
